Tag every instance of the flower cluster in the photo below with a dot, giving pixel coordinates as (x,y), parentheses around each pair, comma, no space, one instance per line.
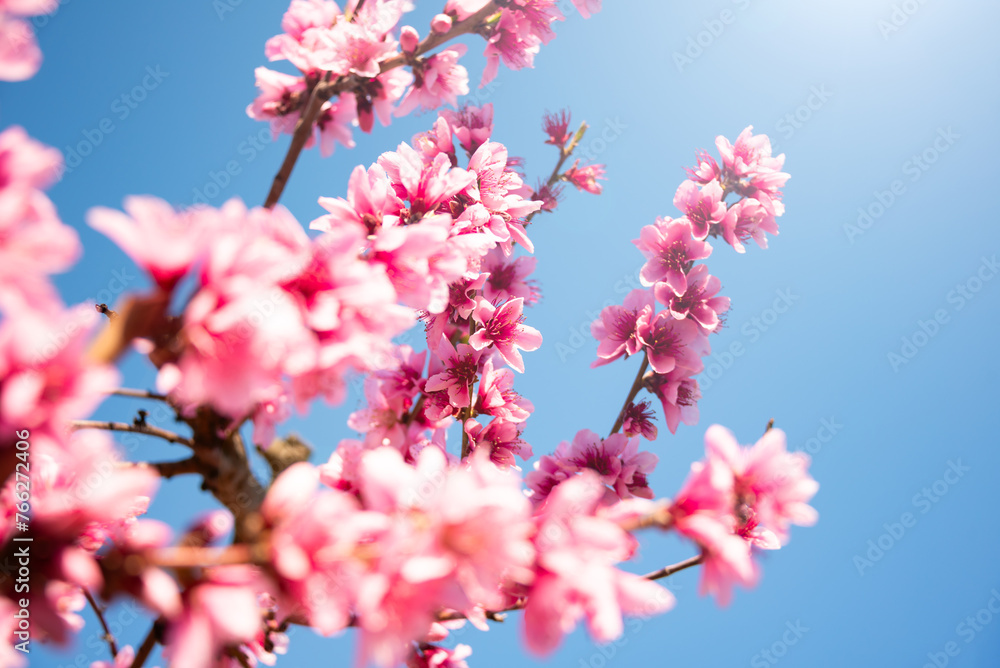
(353,60)
(669,320)
(738,499)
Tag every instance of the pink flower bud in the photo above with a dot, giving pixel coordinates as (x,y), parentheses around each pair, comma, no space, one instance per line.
(408,39)
(441,23)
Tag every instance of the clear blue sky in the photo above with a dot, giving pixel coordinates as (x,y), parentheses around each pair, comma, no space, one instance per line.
(879,98)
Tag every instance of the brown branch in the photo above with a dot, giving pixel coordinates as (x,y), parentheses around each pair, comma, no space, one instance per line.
(667,571)
(202,557)
(636,386)
(136,429)
(103,309)
(770,425)
(139,394)
(146,648)
(112,645)
(326,89)
(169,469)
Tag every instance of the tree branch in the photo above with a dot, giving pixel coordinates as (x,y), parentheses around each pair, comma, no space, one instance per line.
(667,571)
(139,394)
(122,426)
(146,648)
(112,645)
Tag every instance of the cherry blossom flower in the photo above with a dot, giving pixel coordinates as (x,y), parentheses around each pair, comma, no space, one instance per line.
(586,177)
(772,486)
(699,302)
(703,207)
(20,57)
(220,611)
(637,420)
(679,395)
(164,242)
(497,396)
(576,576)
(370,197)
(501,438)
(556,126)
(439,80)
(616,459)
(507,278)
(279,92)
(748,219)
(617,327)
(706,171)
(503,328)
(671,343)
(703,512)
(513,41)
(460,372)
(587,7)
(669,249)
(472,126)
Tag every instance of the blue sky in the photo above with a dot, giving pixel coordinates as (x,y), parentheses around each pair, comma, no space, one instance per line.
(883,108)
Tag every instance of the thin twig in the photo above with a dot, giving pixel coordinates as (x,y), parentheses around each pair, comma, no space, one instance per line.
(122,426)
(770,425)
(636,386)
(146,648)
(667,571)
(139,394)
(170,469)
(112,645)
(199,557)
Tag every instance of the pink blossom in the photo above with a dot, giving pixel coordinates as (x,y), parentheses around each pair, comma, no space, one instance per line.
(381,420)
(20,57)
(703,512)
(460,372)
(587,7)
(616,459)
(425,185)
(670,343)
(679,395)
(439,80)
(431,656)
(748,219)
(147,583)
(556,126)
(380,95)
(219,611)
(751,153)
(353,49)
(25,162)
(669,249)
(638,421)
(441,23)
(502,439)
(472,126)
(705,171)
(503,328)
(616,329)
(370,197)
(549,472)
(576,576)
(124,659)
(45,377)
(463,9)
(279,95)
(334,124)
(772,485)
(409,39)
(164,242)
(703,207)
(585,178)
(512,41)
(507,279)
(497,396)
(341,471)
(699,302)
(457,536)
(313,541)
